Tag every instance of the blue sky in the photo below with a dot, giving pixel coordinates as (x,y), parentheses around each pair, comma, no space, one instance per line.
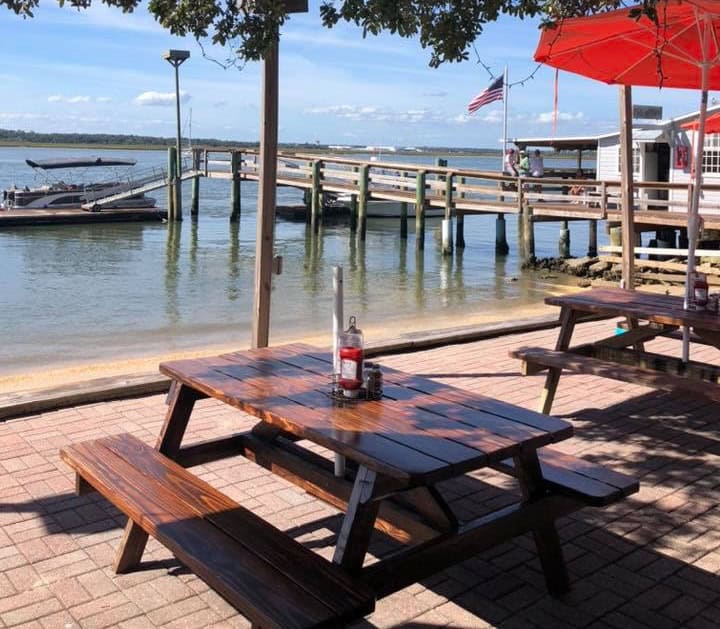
(101,71)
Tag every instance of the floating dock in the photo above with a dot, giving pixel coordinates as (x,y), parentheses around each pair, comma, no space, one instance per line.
(75,216)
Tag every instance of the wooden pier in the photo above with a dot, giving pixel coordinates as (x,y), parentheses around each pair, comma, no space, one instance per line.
(659,206)
(416,188)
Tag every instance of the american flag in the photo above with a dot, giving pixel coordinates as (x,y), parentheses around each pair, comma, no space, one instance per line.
(493,92)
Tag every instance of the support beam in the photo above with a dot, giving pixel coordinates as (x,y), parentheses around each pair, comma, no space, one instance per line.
(564,240)
(501,244)
(235,167)
(420,210)
(266,200)
(626,178)
(592,239)
(172,165)
(363,200)
(195,199)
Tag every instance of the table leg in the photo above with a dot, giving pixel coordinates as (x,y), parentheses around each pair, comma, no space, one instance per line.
(359,522)
(135,538)
(568,317)
(634,324)
(547,540)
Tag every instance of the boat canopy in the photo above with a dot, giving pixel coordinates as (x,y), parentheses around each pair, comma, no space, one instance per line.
(52,164)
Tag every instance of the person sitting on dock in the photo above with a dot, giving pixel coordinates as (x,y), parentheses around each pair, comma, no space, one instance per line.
(510,163)
(577,189)
(537,169)
(524,166)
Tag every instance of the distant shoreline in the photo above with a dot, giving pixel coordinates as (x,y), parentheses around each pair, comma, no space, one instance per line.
(439,152)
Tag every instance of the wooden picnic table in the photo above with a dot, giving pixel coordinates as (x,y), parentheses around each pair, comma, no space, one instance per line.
(623,356)
(398,449)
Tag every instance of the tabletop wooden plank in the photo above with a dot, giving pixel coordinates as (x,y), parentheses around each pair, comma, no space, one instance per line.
(328,426)
(489,433)
(447,441)
(404,437)
(663,309)
(493,414)
(511,417)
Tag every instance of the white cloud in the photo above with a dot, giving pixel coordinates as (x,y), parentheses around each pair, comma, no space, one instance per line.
(8,115)
(547,117)
(160,99)
(104,99)
(59,98)
(435,93)
(376,114)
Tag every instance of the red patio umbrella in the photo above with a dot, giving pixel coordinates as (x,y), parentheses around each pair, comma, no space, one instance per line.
(681,50)
(712,124)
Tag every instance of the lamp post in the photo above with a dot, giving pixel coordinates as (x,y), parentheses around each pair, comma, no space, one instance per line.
(176,59)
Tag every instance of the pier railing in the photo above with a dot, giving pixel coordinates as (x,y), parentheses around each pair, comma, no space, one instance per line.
(463,191)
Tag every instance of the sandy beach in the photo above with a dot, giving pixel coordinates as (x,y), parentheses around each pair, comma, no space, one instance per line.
(68,373)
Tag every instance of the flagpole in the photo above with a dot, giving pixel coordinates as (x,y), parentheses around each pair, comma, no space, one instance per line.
(505,117)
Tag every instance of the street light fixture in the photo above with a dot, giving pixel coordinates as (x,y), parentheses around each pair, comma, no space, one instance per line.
(176,59)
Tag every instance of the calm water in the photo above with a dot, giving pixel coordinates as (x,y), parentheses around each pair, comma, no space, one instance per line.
(73,294)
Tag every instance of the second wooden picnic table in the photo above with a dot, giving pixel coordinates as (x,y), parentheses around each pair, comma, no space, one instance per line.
(622,354)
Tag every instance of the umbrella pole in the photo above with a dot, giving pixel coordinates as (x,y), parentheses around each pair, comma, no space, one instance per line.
(626,188)
(694,209)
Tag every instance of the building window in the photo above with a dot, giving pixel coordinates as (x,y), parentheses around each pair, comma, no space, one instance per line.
(711,154)
(635,158)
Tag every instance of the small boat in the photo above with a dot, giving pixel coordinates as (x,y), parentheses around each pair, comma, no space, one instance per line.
(57,194)
(379,208)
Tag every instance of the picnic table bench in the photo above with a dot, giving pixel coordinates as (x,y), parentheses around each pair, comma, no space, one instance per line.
(623,356)
(398,449)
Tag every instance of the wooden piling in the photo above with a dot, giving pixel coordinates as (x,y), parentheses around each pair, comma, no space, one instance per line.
(403,220)
(235,168)
(362,200)
(528,235)
(420,210)
(592,238)
(195,199)
(353,213)
(172,167)
(501,244)
(316,198)
(447,239)
(459,229)
(564,240)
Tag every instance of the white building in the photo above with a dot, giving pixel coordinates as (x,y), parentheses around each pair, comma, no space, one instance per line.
(662,151)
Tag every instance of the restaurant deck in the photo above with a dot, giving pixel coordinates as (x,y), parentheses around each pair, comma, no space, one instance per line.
(652,560)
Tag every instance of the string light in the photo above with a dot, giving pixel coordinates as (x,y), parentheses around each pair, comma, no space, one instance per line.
(492,76)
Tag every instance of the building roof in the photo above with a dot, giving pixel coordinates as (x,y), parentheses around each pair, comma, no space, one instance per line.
(575,143)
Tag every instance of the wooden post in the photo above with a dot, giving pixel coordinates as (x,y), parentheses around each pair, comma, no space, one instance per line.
(354,205)
(592,238)
(403,220)
(172,166)
(195,200)
(501,244)
(307,202)
(316,198)
(266,200)
(626,172)
(528,234)
(564,241)
(420,210)
(459,229)
(447,240)
(363,199)
(353,213)
(235,166)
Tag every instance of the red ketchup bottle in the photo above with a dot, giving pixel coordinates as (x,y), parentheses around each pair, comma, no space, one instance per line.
(351,360)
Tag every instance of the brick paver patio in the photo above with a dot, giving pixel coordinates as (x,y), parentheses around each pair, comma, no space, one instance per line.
(650,561)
